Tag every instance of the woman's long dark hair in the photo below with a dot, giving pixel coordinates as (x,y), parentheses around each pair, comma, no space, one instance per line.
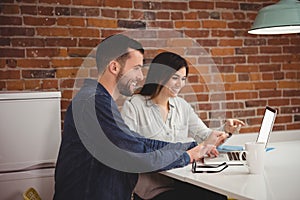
(161,69)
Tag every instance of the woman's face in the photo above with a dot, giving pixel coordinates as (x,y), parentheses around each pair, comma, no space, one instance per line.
(175,83)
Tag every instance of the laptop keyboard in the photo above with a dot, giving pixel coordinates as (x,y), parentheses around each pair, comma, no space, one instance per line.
(234,155)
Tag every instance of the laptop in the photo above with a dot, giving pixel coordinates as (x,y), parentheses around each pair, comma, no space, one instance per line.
(232,157)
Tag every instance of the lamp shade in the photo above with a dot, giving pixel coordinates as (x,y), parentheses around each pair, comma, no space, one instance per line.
(280,18)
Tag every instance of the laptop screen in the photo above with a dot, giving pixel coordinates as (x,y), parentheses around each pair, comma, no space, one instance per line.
(266,125)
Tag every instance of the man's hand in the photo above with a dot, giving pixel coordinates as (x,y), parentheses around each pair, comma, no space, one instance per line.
(198,152)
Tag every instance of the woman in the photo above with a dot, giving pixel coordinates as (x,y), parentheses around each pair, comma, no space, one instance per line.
(157,112)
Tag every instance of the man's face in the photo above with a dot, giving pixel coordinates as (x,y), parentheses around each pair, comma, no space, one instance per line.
(131,73)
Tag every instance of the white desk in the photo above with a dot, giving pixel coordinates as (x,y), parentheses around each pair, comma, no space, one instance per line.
(281,179)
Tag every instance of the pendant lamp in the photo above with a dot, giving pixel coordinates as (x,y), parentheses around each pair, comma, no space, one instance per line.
(280,18)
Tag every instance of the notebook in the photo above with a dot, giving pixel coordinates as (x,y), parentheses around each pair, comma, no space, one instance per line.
(232,157)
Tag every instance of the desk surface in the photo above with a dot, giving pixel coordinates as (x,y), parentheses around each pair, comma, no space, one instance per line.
(281,178)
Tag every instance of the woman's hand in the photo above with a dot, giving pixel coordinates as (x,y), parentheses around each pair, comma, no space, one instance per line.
(233,125)
(216,138)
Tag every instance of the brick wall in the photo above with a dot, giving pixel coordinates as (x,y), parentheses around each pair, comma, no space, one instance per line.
(49,45)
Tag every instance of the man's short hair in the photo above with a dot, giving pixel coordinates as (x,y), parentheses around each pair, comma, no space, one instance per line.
(113,47)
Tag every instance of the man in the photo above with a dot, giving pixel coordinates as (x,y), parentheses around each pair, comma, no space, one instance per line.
(99,157)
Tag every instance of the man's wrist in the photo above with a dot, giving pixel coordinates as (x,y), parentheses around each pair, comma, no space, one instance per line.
(187,157)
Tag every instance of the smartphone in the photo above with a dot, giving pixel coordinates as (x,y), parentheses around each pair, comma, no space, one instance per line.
(214,168)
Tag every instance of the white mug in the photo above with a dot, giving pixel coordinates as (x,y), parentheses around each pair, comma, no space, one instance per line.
(255,157)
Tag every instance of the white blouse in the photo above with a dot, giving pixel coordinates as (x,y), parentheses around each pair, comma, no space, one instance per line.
(182,124)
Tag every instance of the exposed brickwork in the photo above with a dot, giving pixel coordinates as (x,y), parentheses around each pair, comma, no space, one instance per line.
(48,45)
